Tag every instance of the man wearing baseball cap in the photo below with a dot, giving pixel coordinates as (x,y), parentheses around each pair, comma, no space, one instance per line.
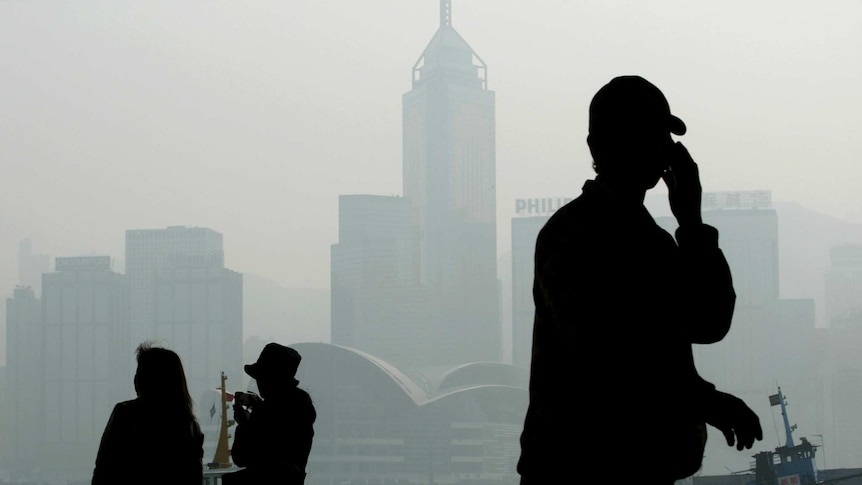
(274,430)
(619,302)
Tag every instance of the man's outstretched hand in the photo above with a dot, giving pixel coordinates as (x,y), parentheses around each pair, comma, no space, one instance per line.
(734,419)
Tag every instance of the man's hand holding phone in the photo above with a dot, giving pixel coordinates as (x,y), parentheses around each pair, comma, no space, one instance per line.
(683,183)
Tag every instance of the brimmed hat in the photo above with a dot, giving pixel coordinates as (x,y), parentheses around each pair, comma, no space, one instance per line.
(631,103)
(276,361)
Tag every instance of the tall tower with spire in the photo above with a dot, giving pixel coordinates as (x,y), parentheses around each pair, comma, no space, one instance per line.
(449,177)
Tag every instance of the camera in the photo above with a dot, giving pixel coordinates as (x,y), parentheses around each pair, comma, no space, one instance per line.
(246,399)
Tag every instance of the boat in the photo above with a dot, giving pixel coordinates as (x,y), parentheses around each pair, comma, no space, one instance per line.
(790,464)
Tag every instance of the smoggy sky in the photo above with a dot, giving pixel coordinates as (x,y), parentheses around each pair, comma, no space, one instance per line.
(252,117)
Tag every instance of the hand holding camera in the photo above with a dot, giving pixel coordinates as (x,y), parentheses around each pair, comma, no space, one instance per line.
(243,400)
(246,399)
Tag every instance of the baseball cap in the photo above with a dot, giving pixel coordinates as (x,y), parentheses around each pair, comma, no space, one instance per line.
(629,104)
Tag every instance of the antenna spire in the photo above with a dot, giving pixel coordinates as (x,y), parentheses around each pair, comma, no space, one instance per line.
(445,12)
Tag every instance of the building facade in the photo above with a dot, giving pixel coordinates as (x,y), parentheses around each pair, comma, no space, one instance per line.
(449,176)
(85,364)
(22,428)
(748,236)
(198,314)
(182,297)
(440,303)
(844,286)
(377,303)
(377,424)
(31,266)
(152,250)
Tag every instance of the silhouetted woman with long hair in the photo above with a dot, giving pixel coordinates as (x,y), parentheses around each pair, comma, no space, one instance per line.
(155,437)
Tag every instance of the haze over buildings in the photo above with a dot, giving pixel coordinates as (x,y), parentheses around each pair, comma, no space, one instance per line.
(71,353)
(257,119)
(254,120)
(69,358)
(414,279)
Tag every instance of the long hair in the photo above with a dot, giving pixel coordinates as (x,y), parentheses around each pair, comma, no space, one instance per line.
(160,378)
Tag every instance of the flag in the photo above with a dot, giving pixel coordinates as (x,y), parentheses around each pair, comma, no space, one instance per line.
(774,400)
(212,412)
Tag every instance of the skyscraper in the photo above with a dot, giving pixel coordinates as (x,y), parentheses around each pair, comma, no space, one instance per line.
(449,177)
(198,314)
(182,296)
(844,286)
(31,266)
(86,367)
(151,250)
(24,370)
(377,301)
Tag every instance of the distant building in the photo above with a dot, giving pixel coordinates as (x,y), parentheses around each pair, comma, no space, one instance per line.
(840,376)
(182,297)
(377,424)
(31,266)
(198,314)
(151,250)
(22,419)
(844,286)
(840,382)
(748,236)
(449,177)
(377,302)
(85,364)
(6,424)
(531,216)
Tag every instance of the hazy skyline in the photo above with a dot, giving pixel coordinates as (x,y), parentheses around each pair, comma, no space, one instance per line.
(251,119)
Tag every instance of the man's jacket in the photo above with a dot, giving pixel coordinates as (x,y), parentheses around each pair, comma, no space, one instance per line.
(619,304)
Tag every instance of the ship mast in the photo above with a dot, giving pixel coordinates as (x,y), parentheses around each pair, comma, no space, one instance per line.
(788,430)
(222,454)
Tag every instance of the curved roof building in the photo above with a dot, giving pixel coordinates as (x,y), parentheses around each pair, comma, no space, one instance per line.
(377,425)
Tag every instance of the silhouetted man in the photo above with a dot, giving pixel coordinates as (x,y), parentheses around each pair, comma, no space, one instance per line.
(614,393)
(273,440)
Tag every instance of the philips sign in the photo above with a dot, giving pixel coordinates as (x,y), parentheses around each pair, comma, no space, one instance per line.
(539,207)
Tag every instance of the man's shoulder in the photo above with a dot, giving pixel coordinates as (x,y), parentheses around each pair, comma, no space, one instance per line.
(578,212)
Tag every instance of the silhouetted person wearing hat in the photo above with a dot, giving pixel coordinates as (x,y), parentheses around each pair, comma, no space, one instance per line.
(614,393)
(273,436)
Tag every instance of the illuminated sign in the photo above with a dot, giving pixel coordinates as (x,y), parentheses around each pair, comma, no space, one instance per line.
(539,207)
(83,263)
(756,199)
